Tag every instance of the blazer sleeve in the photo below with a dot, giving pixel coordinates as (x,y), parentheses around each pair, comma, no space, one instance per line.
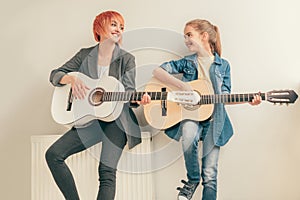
(72,65)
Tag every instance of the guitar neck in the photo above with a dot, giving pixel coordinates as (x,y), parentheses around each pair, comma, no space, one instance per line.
(205,99)
(229,98)
(133,96)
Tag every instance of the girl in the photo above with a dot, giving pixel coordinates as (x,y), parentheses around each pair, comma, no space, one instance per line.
(203,39)
(104,59)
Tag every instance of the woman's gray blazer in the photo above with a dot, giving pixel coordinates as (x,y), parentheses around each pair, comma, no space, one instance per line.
(122,67)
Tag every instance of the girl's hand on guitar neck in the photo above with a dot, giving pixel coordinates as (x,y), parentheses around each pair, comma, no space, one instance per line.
(79,89)
(256,100)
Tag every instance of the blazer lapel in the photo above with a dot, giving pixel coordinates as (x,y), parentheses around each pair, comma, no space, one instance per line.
(115,67)
(92,62)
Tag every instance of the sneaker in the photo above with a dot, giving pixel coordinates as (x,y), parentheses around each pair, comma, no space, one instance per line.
(187,191)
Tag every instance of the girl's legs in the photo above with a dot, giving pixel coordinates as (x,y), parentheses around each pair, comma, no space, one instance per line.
(190,139)
(209,169)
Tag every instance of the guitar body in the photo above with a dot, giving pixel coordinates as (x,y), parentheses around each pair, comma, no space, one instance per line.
(176,112)
(79,112)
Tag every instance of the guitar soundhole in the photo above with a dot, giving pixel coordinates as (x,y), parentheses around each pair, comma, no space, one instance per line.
(96,96)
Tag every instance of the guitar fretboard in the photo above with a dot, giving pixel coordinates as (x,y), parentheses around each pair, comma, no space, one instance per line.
(133,96)
(204,99)
(229,98)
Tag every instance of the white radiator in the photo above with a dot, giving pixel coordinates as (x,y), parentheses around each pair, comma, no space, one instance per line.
(134,178)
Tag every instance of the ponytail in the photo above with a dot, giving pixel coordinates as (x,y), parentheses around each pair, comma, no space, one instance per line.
(217,44)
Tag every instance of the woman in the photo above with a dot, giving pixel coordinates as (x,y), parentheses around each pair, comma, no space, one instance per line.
(203,39)
(104,59)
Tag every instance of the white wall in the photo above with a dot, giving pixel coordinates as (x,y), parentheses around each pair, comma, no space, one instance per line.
(260,39)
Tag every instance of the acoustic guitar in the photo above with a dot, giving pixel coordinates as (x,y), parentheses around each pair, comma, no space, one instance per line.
(104,100)
(162,115)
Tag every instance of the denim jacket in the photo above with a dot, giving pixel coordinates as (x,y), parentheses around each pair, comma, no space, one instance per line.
(219,73)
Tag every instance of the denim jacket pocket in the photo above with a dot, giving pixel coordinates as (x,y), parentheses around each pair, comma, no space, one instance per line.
(189,73)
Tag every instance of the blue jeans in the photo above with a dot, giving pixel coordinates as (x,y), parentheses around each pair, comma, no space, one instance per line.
(76,140)
(192,132)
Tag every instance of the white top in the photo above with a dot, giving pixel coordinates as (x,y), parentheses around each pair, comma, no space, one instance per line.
(102,71)
(204,65)
(203,70)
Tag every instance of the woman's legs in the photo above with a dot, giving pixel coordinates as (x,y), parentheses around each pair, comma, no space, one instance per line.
(77,140)
(74,141)
(113,143)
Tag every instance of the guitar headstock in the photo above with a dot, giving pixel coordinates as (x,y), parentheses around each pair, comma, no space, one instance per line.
(282,96)
(184,97)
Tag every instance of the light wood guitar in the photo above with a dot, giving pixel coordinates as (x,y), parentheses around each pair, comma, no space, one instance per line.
(162,115)
(106,97)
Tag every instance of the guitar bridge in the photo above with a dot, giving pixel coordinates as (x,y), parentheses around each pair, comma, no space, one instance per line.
(163,103)
(70,100)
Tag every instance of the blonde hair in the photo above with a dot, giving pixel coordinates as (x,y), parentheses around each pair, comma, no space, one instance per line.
(202,26)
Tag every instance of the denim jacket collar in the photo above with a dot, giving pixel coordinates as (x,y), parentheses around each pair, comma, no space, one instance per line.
(193,57)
